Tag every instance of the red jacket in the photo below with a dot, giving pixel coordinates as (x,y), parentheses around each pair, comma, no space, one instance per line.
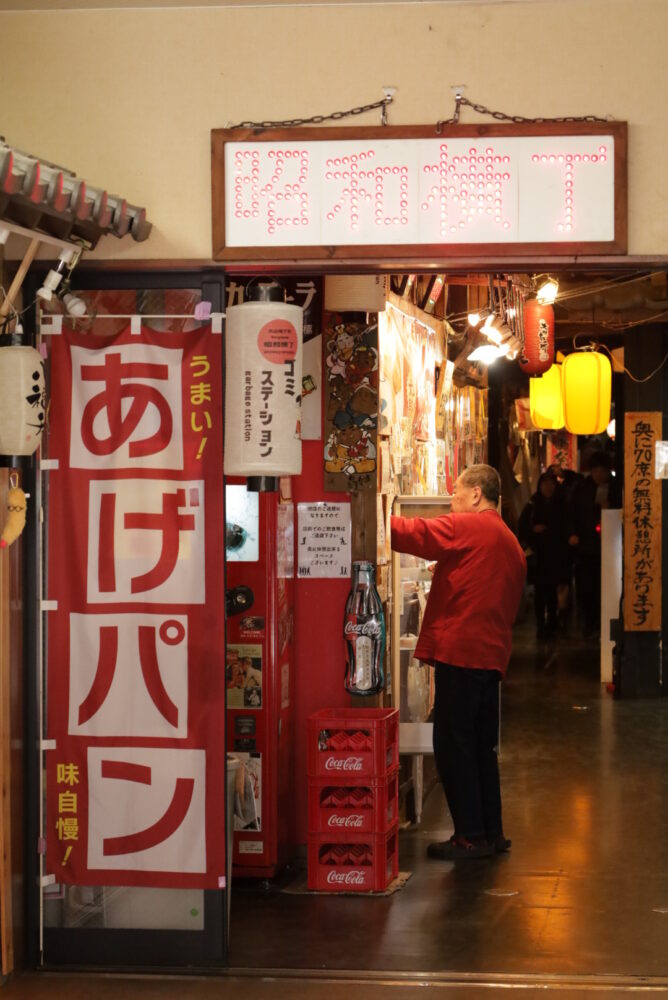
(476,589)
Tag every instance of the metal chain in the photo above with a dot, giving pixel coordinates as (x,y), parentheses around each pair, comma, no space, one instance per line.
(503,117)
(318,119)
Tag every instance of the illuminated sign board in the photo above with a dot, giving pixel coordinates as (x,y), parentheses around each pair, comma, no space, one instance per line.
(352,193)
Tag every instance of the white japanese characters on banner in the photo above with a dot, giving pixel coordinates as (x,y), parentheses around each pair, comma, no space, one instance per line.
(135,649)
(323,540)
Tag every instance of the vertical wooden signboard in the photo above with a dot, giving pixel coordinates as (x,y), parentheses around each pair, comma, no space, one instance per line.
(642,524)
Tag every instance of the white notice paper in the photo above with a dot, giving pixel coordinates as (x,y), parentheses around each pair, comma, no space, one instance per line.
(323,546)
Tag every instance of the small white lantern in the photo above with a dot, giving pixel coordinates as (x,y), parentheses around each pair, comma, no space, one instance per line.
(263,386)
(22,400)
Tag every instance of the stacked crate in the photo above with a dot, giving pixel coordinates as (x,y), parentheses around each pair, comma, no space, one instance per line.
(353,799)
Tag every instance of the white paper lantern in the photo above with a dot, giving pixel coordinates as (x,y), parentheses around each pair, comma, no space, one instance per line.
(263,385)
(22,400)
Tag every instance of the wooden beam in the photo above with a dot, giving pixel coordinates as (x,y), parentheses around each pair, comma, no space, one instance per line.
(6,922)
(15,286)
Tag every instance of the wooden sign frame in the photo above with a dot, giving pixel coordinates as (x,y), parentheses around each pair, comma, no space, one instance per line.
(389,251)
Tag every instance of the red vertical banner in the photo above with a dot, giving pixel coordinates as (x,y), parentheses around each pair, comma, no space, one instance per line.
(135,656)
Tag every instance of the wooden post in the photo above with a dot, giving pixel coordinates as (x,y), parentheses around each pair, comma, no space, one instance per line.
(15,286)
(6,926)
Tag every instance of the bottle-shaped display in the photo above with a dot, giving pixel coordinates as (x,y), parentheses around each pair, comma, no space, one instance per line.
(364,632)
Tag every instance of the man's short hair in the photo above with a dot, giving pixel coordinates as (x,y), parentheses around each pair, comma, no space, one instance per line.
(486,478)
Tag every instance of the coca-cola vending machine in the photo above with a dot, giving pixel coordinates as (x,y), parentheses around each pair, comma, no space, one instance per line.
(259,545)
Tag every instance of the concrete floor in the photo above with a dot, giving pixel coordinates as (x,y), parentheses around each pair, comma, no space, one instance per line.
(579,906)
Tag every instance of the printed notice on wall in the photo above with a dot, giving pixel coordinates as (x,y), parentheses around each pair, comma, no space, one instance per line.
(323,540)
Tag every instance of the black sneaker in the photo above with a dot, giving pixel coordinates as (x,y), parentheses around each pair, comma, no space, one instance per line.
(460,849)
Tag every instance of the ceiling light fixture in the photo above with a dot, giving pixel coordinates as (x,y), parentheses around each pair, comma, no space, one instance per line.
(487,354)
(476,318)
(55,275)
(75,306)
(58,282)
(548,291)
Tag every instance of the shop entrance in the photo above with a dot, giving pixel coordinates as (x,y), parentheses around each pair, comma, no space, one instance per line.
(571,755)
(551,905)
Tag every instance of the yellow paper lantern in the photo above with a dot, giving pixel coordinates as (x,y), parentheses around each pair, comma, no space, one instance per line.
(546,404)
(586,378)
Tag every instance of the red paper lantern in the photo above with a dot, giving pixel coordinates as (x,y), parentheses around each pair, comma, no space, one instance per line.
(538,353)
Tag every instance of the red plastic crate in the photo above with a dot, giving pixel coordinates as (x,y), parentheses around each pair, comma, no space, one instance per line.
(353,742)
(350,863)
(335,805)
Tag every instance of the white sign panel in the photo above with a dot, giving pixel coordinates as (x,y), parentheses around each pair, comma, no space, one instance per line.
(324,540)
(661,460)
(499,189)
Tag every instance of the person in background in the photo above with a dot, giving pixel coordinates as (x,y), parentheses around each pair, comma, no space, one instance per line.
(566,478)
(583,528)
(541,530)
(466,635)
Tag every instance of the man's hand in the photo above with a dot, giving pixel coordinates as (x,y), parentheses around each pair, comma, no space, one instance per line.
(573,540)
(538,529)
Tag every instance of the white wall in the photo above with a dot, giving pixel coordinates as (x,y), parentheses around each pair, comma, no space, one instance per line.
(127,98)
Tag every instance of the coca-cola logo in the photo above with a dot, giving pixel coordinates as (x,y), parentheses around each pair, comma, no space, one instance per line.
(346,878)
(344,764)
(371,628)
(353,820)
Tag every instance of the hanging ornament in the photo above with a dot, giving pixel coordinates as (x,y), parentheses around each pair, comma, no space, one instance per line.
(546,404)
(538,352)
(16,513)
(587,392)
(22,400)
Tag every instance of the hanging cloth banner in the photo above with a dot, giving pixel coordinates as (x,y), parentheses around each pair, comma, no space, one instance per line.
(135,673)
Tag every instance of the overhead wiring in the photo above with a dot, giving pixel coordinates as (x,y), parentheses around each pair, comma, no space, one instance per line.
(634,378)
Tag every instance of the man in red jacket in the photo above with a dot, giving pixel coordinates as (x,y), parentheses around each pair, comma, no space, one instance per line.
(466,635)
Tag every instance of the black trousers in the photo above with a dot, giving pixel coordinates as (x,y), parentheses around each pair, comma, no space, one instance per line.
(545,601)
(466,729)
